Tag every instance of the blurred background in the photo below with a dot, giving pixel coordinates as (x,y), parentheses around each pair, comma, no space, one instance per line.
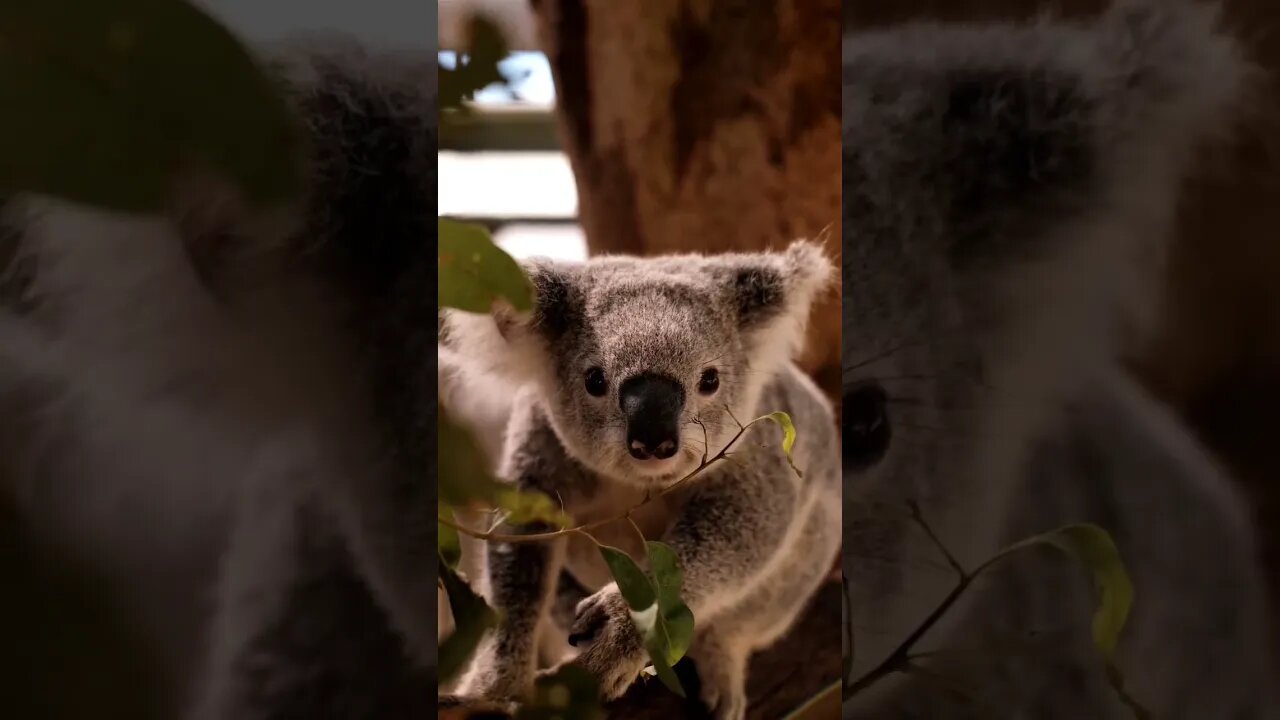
(502,167)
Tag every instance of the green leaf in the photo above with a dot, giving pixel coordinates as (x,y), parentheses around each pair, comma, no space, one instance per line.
(472,616)
(788,435)
(636,588)
(462,467)
(657,654)
(1093,547)
(676,616)
(656,608)
(447,540)
(474,272)
(526,506)
(118,98)
(570,693)
(465,481)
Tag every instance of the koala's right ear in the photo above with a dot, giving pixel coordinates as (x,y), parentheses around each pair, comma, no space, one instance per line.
(772,293)
(513,343)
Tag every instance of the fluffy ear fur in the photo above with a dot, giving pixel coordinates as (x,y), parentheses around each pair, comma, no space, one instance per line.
(770,294)
(773,293)
(516,344)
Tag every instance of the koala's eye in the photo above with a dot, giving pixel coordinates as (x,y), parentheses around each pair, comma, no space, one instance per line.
(709,382)
(596,383)
(865,434)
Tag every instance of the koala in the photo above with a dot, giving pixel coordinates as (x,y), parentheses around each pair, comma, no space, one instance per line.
(1008,193)
(230,411)
(625,375)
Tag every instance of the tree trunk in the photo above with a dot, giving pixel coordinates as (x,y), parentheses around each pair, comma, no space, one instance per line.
(708,125)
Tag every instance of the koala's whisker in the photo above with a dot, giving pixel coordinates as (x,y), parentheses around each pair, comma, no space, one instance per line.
(711,360)
(882,355)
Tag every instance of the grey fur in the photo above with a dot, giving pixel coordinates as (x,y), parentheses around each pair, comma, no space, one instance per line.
(753,539)
(1007,192)
(238,416)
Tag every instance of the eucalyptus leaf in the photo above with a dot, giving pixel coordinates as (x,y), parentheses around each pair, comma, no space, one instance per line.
(110,102)
(636,588)
(474,272)
(447,540)
(465,481)
(462,467)
(676,616)
(472,616)
(656,607)
(657,654)
(783,421)
(1092,547)
(526,506)
(570,693)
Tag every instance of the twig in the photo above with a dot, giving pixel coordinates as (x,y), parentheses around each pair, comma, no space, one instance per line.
(540,537)
(706,442)
(900,658)
(918,517)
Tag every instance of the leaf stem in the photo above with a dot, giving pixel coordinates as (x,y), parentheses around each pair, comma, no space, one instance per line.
(544,536)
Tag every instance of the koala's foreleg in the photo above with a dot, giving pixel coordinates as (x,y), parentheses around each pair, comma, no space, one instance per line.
(725,537)
(522,580)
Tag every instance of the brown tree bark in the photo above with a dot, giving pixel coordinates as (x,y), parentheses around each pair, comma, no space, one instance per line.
(709,125)
(1216,355)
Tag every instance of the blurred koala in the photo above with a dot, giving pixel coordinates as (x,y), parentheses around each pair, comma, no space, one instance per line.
(1007,193)
(231,412)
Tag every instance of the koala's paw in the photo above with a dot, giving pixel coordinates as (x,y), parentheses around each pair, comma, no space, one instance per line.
(722,669)
(615,652)
(725,703)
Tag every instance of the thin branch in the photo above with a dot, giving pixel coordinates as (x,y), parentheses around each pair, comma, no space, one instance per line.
(636,527)
(541,537)
(734,417)
(918,517)
(899,658)
(706,442)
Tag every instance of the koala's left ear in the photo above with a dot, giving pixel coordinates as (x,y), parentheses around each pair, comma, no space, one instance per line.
(517,344)
(772,293)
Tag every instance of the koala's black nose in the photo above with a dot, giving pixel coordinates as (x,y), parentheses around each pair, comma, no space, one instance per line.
(652,405)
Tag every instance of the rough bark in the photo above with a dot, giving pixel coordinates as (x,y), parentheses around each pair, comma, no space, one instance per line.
(710,125)
(1216,355)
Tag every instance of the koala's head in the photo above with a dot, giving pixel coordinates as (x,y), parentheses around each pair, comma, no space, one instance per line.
(642,363)
(1008,191)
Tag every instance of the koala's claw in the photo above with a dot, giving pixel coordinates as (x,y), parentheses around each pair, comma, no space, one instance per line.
(725,703)
(592,616)
(615,652)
